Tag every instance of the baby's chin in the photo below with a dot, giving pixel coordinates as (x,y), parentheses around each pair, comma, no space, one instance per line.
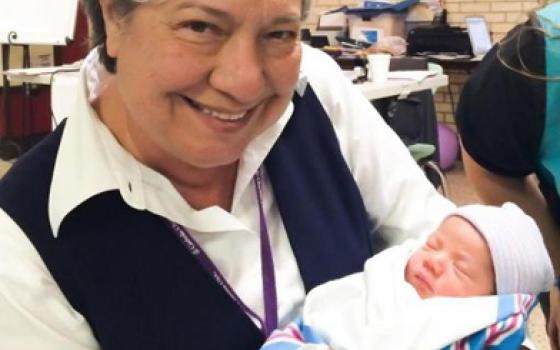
(421,293)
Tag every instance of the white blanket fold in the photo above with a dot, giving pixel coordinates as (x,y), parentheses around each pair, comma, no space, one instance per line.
(379,310)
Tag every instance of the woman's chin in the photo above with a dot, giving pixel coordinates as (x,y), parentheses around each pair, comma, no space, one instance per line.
(212,161)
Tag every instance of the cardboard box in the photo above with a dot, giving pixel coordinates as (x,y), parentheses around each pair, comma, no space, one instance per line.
(332,21)
(386,24)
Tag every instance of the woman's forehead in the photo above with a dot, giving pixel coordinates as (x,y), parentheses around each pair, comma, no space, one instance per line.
(230,5)
(261,12)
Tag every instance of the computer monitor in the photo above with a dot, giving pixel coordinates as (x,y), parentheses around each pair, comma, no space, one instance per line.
(479,35)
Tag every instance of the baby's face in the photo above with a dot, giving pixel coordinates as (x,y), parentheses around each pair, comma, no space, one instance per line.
(455,261)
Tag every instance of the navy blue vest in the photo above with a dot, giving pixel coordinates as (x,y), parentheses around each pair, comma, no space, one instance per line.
(135,283)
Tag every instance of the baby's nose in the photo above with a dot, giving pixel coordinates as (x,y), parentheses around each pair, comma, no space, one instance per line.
(436,263)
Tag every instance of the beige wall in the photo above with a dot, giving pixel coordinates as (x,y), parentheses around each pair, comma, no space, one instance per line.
(500,15)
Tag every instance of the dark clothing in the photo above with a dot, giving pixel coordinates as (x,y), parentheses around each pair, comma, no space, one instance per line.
(502,114)
(134,282)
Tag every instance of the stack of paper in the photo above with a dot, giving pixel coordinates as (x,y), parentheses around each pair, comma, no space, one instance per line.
(415,75)
(44,70)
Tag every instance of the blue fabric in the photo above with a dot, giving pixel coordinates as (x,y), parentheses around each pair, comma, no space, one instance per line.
(293,337)
(309,334)
(549,18)
(282,346)
(506,305)
(374,8)
(477,341)
(119,267)
(508,331)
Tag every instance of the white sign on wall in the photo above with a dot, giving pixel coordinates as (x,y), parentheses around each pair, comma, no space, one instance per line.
(46,22)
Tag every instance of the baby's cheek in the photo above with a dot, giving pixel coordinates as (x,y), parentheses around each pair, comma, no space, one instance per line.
(407,271)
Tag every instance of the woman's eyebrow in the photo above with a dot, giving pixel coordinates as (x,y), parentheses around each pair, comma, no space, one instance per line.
(208,9)
(287,20)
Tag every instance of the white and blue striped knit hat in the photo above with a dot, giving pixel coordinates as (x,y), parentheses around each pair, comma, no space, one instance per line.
(521,261)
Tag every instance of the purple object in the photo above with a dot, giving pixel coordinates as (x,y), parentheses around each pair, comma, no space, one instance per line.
(448,146)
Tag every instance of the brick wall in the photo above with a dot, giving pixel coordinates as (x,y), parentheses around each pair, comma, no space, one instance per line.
(501,16)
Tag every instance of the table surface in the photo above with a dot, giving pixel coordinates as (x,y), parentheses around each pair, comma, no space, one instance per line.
(396,87)
(66,76)
(39,75)
(466,64)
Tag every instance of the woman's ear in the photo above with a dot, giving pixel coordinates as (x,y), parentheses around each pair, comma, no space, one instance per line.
(113,27)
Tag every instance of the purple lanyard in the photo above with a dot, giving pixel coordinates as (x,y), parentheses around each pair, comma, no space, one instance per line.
(267,266)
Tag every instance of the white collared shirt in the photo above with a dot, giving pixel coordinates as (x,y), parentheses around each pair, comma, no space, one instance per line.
(34,314)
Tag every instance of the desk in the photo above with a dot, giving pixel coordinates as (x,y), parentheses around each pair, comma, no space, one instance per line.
(65,79)
(39,75)
(459,63)
(397,87)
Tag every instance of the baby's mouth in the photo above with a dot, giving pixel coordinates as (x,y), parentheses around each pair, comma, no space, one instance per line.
(423,281)
(222,116)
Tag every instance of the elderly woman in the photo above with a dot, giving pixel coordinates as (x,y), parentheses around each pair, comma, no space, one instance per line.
(213,172)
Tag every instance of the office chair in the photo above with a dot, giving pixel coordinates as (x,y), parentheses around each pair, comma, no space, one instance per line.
(414,120)
(422,154)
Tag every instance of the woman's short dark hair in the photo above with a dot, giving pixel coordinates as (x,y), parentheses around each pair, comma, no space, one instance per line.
(122,8)
(97,34)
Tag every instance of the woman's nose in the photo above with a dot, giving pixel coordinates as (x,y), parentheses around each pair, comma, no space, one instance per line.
(239,71)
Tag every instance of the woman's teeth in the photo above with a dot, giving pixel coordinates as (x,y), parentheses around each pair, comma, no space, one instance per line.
(218,115)
(223,116)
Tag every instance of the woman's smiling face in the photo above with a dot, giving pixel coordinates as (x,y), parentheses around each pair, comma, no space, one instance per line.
(197,80)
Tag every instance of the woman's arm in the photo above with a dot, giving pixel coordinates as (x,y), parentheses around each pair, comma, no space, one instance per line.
(496,189)
(34,313)
(396,193)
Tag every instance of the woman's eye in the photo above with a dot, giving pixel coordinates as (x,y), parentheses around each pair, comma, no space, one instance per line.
(285,35)
(200,27)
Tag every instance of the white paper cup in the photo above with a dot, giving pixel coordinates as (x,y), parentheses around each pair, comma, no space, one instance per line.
(378,65)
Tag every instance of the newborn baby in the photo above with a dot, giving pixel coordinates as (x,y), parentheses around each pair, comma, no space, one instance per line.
(407,295)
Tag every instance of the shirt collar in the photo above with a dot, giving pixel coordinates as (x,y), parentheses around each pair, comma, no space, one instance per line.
(90,161)
(81,169)
(258,149)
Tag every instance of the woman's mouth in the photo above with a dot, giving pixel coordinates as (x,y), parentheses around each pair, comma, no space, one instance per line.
(220,115)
